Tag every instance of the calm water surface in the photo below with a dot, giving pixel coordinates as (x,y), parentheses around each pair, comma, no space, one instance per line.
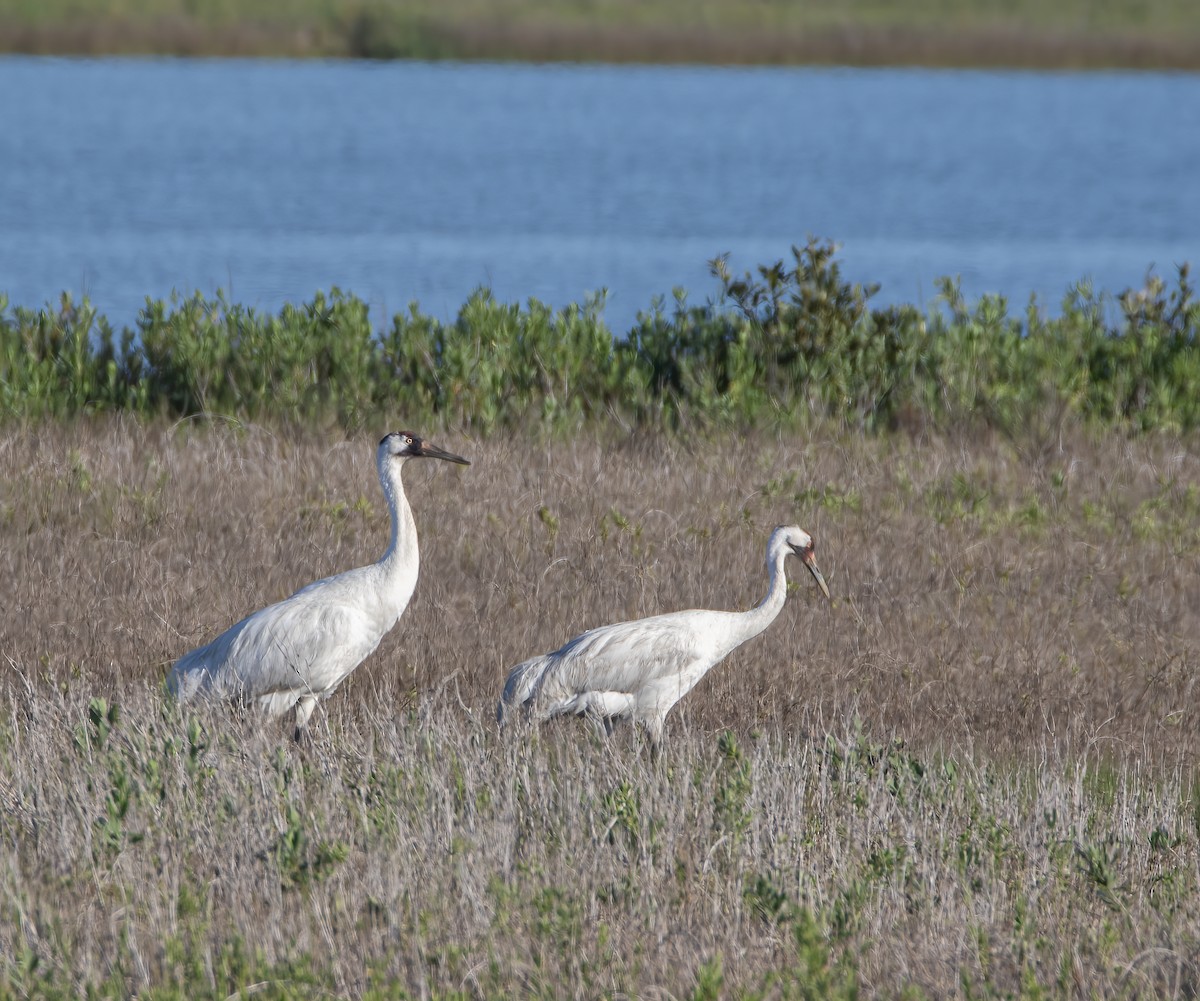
(409,181)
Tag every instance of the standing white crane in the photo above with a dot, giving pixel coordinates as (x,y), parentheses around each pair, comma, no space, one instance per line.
(638,670)
(300,649)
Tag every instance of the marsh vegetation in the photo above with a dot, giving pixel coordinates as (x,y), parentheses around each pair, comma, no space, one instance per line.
(972,774)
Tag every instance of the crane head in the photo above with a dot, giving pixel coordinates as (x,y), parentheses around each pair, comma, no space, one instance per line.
(801,543)
(407,445)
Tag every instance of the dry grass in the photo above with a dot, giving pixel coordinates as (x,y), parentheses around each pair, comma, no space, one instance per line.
(975,768)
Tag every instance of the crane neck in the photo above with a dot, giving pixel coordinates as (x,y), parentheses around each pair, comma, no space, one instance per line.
(765,612)
(402,557)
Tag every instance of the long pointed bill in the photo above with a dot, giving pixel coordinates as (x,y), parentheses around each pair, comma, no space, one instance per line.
(429,451)
(811,562)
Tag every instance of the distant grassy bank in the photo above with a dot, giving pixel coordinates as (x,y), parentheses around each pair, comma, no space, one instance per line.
(1151,34)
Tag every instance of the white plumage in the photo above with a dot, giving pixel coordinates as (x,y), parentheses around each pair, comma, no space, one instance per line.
(638,670)
(300,649)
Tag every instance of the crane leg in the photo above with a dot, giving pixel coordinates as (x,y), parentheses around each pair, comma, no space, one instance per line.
(304,710)
(654,730)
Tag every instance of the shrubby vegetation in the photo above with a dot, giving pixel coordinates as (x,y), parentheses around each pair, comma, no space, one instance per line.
(788,344)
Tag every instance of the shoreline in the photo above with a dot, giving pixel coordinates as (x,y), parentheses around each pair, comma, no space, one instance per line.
(855,46)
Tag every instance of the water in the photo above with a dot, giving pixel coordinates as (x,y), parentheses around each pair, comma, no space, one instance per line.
(126,178)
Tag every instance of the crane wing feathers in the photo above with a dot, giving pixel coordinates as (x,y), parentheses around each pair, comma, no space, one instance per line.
(623,656)
(623,659)
(297,646)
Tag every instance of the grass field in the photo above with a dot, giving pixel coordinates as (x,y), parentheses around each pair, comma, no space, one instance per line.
(973,774)
(1151,34)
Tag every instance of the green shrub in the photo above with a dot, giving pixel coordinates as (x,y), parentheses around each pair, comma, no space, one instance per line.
(790,344)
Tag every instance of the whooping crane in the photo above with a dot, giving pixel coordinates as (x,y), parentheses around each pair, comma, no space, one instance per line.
(300,649)
(640,669)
